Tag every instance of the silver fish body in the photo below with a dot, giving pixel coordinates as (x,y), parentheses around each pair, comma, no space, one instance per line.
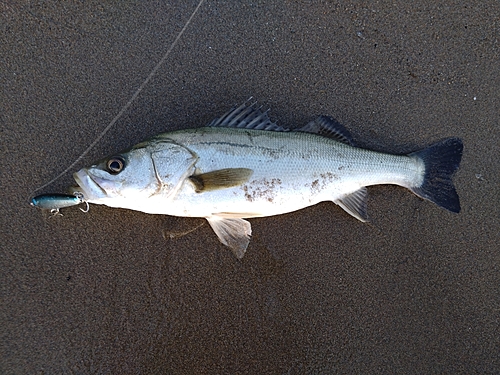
(244,166)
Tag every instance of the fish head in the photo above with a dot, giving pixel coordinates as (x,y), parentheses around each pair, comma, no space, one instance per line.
(128,179)
(124,175)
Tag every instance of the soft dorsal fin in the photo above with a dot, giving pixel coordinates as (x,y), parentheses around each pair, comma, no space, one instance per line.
(355,204)
(246,117)
(328,127)
(220,179)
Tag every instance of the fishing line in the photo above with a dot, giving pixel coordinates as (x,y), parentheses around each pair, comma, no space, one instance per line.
(129,103)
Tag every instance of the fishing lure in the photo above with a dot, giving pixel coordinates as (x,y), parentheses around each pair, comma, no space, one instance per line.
(54,202)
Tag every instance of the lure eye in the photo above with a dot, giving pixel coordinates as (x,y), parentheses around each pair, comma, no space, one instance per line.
(115,165)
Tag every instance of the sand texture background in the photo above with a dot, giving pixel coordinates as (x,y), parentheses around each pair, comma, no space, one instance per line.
(110,292)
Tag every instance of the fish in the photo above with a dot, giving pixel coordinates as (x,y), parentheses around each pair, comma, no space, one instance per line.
(243,165)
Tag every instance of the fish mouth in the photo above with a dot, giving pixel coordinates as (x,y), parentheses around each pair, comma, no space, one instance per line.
(90,187)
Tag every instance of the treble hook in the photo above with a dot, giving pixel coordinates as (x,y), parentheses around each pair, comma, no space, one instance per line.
(81,199)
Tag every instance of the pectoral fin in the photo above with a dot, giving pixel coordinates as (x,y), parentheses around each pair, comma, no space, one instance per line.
(220,179)
(232,232)
(355,204)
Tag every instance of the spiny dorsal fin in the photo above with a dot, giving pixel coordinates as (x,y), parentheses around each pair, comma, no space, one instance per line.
(233,232)
(220,179)
(355,204)
(328,127)
(246,117)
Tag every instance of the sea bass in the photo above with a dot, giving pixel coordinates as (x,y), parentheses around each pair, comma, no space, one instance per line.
(243,165)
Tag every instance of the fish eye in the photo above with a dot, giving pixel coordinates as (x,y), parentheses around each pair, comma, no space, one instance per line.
(115,165)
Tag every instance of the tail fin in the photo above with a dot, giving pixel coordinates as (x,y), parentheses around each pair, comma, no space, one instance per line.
(441,161)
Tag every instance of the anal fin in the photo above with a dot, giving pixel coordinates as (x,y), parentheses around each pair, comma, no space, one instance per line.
(233,232)
(355,204)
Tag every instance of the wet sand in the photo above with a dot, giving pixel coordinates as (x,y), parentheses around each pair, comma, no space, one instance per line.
(414,291)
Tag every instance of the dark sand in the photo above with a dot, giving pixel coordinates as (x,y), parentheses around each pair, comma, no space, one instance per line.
(415,291)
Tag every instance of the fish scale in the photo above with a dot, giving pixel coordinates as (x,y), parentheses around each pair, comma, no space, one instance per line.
(296,160)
